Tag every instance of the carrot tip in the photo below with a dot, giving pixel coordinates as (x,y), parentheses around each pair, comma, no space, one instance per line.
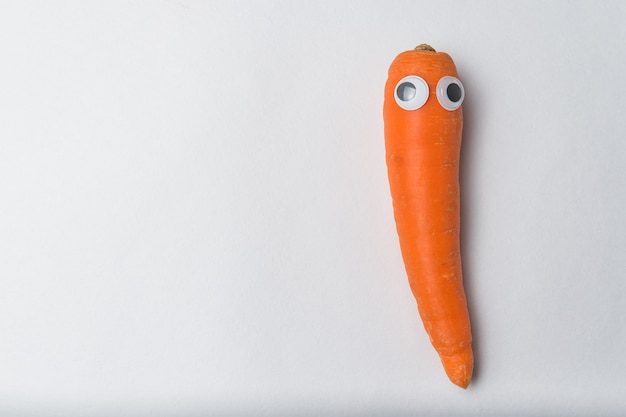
(459,367)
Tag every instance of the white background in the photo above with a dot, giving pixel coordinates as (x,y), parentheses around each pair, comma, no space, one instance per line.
(195,217)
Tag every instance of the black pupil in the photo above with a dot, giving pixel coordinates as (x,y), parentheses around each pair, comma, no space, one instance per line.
(406,91)
(454,92)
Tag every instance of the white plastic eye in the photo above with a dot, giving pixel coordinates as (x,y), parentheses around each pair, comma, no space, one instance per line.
(450,93)
(411,92)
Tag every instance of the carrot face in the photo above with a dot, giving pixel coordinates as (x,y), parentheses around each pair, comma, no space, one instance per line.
(423,126)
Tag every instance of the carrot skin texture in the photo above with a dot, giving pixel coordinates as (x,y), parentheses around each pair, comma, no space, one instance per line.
(422,155)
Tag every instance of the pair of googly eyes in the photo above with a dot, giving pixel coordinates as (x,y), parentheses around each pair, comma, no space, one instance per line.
(412,92)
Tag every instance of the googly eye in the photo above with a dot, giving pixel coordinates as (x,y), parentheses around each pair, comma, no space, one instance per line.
(450,93)
(411,92)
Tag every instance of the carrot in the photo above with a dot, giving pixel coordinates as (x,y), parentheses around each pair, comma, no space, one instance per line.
(423,126)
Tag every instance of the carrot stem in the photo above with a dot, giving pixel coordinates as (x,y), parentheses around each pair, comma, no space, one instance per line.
(425,47)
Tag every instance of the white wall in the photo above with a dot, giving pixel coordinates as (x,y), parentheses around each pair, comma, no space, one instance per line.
(195,217)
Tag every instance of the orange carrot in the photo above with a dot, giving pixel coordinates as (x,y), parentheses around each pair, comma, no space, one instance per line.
(423,126)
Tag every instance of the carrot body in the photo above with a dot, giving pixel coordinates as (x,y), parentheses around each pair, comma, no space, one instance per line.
(422,153)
